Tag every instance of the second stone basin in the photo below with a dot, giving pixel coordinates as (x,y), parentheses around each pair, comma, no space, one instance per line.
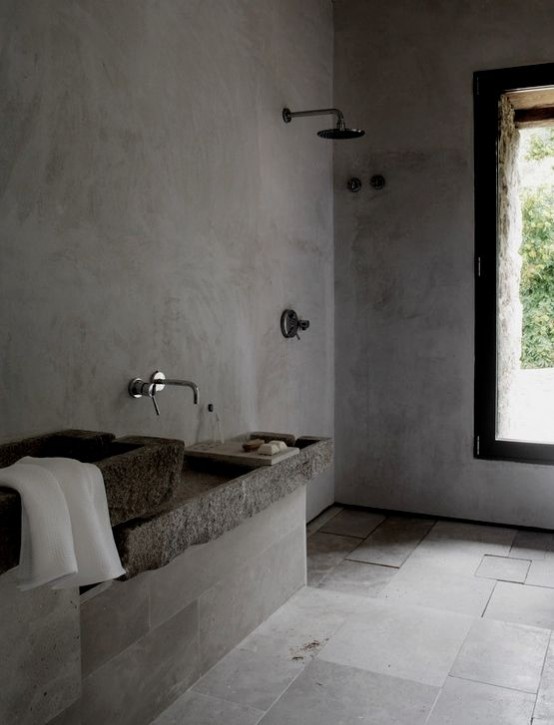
(200,475)
(214,497)
(198,478)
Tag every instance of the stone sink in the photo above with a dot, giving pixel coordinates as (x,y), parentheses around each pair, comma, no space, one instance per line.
(214,497)
(140,473)
(162,501)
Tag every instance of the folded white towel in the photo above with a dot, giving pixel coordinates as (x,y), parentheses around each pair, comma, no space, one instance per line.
(83,487)
(47,552)
(66,535)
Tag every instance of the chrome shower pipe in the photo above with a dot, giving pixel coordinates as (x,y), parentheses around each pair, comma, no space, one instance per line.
(288,115)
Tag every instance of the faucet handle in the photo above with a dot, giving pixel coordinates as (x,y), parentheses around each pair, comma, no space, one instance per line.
(138,388)
(156,387)
(157,379)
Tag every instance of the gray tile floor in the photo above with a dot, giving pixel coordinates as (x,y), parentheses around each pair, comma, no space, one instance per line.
(405,621)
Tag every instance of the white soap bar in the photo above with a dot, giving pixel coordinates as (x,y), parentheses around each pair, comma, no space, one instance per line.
(268,449)
(281,445)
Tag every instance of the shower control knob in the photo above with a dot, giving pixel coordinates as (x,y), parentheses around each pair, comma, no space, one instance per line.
(291,323)
(378,182)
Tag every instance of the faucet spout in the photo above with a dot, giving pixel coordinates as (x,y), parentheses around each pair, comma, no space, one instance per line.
(182,384)
(138,388)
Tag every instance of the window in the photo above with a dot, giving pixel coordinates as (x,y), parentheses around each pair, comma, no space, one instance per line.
(514,238)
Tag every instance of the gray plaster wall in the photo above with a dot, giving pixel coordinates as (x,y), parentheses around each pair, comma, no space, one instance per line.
(156,213)
(404,256)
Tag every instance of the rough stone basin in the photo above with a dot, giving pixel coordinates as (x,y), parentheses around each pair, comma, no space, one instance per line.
(140,473)
(213,497)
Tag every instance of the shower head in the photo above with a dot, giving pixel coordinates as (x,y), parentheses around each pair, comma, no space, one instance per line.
(338,132)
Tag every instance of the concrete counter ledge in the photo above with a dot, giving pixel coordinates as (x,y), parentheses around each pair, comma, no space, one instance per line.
(212,499)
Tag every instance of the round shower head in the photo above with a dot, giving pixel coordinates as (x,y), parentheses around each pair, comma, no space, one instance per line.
(341,133)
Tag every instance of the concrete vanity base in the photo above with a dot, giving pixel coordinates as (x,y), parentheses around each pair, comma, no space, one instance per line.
(204,569)
(40,666)
(146,640)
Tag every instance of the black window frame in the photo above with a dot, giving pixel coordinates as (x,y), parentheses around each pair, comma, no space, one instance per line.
(488,87)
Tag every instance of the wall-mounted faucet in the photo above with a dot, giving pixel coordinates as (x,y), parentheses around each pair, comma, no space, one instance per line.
(138,388)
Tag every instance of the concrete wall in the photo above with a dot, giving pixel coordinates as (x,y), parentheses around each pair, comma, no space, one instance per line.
(404,256)
(156,213)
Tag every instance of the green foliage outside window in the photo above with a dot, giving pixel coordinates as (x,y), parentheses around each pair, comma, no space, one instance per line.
(537,273)
(541,146)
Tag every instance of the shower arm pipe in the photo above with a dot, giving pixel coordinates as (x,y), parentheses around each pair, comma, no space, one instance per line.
(288,115)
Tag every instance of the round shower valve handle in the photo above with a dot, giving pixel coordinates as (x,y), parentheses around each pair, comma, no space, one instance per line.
(291,323)
(354,184)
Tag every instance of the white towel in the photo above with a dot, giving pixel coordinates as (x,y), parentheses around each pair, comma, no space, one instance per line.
(83,487)
(47,553)
(66,529)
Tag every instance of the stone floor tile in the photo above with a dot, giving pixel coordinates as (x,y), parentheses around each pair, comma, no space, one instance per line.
(325,551)
(425,585)
(331,694)
(544,707)
(193,708)
(462,702)
(455,557)
(393,541)
(532,544)
(301,628)
(541,573)
(249,678)
(490,539)
(503,654)
(352,522)
(322,519)
(459,547)
(503,568)
(353,577)
(522,604)
(408,642)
